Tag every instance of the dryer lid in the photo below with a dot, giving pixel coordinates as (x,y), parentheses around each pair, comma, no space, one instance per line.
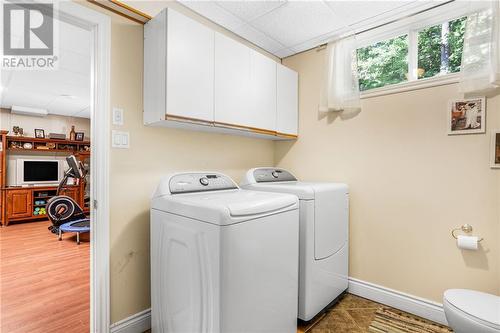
(485,307)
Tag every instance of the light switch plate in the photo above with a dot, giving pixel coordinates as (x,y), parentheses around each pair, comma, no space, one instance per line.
(120,139)
(118,116)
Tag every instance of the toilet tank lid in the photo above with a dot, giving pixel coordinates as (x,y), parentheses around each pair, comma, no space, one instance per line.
(481,305)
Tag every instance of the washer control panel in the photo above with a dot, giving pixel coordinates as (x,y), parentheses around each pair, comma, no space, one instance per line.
(266,175)
(199,182)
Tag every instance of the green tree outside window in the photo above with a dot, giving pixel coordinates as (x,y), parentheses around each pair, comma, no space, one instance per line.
(439,51)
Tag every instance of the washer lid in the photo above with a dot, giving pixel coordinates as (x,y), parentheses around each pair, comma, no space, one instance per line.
(227,206)
(485,307)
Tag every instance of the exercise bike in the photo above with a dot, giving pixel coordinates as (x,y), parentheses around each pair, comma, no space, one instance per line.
(63,212)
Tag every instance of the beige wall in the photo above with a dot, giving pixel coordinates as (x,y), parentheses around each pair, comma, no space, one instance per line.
(50,124)
(153,152)
(410,184)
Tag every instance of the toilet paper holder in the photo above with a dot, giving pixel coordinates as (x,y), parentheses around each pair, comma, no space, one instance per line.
(467,228)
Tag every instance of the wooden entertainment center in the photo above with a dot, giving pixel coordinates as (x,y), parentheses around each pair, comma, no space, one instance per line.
(28,202)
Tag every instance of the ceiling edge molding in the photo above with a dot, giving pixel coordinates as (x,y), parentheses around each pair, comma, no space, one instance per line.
(122,9)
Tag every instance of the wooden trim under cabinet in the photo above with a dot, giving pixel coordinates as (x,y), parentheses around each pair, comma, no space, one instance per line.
(256,130)
(189,120)
(247,128)
(287,136)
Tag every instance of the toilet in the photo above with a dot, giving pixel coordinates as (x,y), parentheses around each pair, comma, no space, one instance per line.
(469,311)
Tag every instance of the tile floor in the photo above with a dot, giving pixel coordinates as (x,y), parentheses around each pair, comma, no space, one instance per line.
(352,314)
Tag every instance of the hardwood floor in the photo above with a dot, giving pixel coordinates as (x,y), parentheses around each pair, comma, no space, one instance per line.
(44,283)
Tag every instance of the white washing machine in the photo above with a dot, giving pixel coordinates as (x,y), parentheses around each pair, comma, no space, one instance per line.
(222,259)
(324,235)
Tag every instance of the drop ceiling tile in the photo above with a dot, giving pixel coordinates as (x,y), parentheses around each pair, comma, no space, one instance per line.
(356,11)
(316,41)
(43,89)
(217,14)
(297,22)
(64,106)
(258,38)
(284,53)
(250,10)
(75,62)
(85,113)
(74,39)
(24,98)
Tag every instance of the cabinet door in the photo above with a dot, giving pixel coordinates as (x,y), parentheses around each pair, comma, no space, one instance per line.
(232,82)
(263,92)
(287,101)
(190,68)
(19,204)
(155,47)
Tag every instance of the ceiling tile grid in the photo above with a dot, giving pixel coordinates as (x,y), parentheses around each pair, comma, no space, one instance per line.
(285,27)
(64,91)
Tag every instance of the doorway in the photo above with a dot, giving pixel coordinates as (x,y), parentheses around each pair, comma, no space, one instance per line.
(46,283)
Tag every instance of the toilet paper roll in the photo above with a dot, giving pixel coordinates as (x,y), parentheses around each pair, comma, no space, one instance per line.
(467,242)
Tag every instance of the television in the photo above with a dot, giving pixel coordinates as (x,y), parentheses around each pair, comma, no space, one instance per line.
(36,171)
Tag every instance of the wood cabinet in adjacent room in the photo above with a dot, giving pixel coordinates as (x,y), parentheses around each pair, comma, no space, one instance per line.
(19,203)
(73,193)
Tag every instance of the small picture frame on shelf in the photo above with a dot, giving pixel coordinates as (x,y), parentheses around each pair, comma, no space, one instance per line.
(495,149)
(79,136)
(39,133)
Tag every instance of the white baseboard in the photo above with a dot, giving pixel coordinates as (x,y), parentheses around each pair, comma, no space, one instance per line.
(137,323)
(421,307)
(418,306)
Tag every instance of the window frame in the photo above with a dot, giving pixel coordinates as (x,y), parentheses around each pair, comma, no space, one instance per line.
(412,26)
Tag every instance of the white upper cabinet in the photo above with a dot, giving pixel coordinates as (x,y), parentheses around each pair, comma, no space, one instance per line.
(262,92)
(199,79)
(178,68)
(245,86)
(232,82)
(287,115)
(190,68)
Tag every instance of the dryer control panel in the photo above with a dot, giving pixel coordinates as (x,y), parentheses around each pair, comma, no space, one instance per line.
(200,182)
(266,175)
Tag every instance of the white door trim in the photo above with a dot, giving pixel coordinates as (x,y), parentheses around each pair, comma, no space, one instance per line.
(416,305)
(100,26)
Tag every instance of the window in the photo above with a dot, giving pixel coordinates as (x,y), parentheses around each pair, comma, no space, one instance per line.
(440,48)
(431,51)
(383,63)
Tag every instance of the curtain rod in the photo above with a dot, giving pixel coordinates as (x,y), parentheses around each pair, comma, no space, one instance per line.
(322,46)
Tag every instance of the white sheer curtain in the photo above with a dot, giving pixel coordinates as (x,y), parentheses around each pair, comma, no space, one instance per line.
(340,87)
(480,69)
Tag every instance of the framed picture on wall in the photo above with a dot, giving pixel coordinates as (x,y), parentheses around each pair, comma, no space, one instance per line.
(79,136)
(495,149)
(467,116)
(39,133)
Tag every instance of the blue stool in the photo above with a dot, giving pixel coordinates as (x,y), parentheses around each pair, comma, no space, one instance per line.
(78,226)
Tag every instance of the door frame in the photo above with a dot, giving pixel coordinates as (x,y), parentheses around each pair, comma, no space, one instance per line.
(99,25)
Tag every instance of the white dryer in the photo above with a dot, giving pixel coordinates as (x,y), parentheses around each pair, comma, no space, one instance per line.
(324,235)
(222,259)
